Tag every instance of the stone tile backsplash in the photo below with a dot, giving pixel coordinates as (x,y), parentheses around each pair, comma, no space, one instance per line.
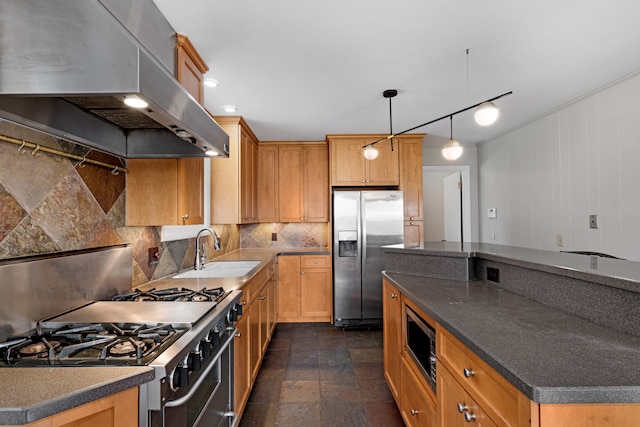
(51,204)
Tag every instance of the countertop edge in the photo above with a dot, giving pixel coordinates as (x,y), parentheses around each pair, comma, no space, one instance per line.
(20,415)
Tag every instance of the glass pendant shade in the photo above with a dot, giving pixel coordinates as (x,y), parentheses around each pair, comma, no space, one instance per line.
(370,152)
(486,114)
(452,150)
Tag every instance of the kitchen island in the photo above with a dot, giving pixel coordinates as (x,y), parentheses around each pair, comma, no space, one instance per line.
(563,329)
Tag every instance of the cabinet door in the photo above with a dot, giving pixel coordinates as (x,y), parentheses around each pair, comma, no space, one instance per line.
(315,294)
(272,298)
(392,330)
(347,162)
(248,155)
(457,408)
(118,410)
(383,170)
(190,191)
(152,192)
(291,185)
(413,232)
(242,365)
(417,407)
(288,288)
(190,68)
(263,300)
(316,184)
(411,177)
(255,346)
(267,183)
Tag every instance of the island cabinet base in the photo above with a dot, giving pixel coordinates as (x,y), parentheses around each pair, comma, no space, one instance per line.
(117,410)
(596,415)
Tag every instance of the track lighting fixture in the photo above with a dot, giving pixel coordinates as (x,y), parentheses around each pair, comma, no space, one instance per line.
(452,146)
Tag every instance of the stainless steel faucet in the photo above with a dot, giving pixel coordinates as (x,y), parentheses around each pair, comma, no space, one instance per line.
(201,256)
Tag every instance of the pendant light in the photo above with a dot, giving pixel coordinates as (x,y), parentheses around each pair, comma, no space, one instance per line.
(452,150)
(486,114)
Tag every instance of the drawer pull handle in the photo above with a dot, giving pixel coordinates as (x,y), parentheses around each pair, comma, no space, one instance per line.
(414,412)
(238,335)
(469,417)
(462,407)
(468,373)
(394,296)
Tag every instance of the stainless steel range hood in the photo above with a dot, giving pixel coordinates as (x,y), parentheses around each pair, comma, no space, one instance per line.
(67,66)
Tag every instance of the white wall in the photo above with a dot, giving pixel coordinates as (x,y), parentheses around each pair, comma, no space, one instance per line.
(432,156)
(547,177)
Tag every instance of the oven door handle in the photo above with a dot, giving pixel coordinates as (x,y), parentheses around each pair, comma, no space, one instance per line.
(208,369)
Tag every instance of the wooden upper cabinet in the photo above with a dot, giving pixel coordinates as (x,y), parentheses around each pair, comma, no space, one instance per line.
(234,180)
(190,68)
(303,181)
(170,191)
(267,185)
(350,168)
(410,149)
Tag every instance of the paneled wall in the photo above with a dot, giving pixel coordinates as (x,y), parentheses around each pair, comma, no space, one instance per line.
(547,177)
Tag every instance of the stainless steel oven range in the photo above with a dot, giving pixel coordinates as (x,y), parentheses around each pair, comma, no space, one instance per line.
(186,336)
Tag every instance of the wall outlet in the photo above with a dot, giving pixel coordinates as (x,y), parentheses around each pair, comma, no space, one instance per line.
(493,274)
(559,241)
(593,221)
(492,213)
(154,256)
(274,237)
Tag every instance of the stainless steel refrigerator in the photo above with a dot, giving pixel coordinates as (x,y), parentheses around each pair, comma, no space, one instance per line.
(363,221)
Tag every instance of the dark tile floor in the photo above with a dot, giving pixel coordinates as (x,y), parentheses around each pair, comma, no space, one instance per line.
(316,375)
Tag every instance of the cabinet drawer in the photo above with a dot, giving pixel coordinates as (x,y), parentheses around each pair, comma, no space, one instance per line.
(250,289)
(457,408)
(492,392)
(317,261)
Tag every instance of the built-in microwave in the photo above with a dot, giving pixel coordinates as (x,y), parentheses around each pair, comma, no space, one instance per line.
(420,339)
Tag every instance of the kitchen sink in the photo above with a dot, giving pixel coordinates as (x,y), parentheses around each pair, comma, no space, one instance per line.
(220,269)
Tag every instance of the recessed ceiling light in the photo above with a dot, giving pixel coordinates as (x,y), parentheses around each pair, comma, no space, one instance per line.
(229,108)
(135,102)
(211,82)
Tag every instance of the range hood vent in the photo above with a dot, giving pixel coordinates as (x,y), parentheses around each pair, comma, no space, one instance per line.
(67,66)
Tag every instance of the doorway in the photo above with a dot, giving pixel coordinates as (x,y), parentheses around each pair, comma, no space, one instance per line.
(447,203)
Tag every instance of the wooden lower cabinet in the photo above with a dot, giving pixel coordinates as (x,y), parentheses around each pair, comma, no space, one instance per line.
(304,288)
(242,366)
(391,331)
(255,327)
(457,408)
(117,410)
(418,408)
(413,232)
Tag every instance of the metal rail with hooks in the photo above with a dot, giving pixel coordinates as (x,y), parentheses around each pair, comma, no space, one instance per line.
(115,169)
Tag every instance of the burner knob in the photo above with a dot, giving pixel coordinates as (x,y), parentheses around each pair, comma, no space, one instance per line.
(180,377)
(238,307)
(233,315)
(206,349)
(195,362)
(215,339)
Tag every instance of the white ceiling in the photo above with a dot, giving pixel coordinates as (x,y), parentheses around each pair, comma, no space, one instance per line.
(298,70)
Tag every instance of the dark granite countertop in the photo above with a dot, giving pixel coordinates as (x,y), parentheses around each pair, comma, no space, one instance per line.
(551,355)
(29,394)
(231,283)
(617,273)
